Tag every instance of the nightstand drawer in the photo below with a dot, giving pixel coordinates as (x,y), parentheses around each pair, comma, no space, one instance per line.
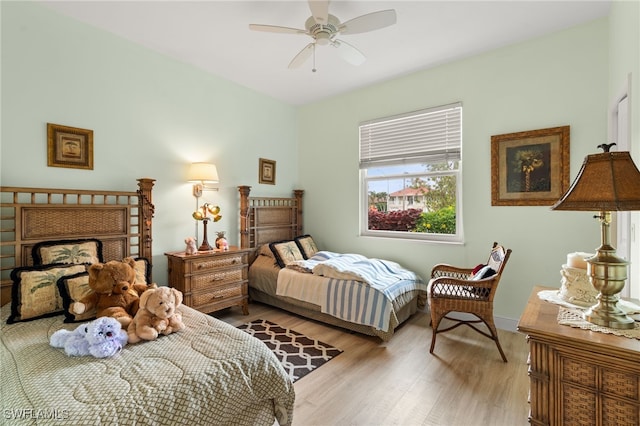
(217,294)
(217,278)
(220,261)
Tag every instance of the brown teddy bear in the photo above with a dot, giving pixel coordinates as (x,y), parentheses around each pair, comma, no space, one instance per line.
(157,315)
(115,293)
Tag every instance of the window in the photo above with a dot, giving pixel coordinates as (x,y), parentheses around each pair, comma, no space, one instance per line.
(410,175)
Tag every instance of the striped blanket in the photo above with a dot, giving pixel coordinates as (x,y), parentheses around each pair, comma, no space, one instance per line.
(355,288)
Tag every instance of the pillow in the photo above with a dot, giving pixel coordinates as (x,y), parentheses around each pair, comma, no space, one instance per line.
(484,272)
(285,252)
(73,288)
(67,251)
(477,268)
(306,245)
(34,292)
(143,271)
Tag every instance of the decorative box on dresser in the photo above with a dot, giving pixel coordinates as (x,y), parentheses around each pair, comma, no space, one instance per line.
(579,377)
(211,281)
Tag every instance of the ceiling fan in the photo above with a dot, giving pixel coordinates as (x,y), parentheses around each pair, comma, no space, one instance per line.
(324,28)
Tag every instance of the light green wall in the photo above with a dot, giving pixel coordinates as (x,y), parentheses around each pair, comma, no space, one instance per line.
(151,117)
(624,75)
(560,79)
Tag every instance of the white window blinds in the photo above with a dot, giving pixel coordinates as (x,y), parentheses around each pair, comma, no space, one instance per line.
(431,135)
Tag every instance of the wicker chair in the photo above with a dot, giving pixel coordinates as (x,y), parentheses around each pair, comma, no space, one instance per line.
(452,289)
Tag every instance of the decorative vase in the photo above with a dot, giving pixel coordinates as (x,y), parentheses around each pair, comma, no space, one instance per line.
(221,241)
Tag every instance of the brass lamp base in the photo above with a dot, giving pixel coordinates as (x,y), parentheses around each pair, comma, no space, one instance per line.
(609,316)
(607,273)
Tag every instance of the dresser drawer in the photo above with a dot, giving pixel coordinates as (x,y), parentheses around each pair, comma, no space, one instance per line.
(220,261)
(217,278)
(218,294)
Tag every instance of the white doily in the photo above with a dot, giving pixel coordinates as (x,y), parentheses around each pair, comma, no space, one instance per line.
(573,318)
(553,296)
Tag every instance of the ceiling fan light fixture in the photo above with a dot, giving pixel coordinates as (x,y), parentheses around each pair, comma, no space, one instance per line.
(323,38)
(323,28)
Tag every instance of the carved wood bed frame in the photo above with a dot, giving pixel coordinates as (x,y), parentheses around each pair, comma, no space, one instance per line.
(121,220)
(268,219)
(265,220)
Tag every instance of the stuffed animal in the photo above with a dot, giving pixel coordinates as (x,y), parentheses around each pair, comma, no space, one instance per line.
(157,315)
(114,292)
(191,246)
(102,337)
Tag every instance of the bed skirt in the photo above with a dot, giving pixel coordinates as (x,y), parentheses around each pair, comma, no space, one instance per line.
(311,311)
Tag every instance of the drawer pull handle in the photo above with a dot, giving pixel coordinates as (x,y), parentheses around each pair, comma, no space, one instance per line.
(215,297)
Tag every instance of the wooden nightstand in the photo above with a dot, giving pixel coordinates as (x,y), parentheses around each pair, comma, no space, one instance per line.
(579,377)
(213,280)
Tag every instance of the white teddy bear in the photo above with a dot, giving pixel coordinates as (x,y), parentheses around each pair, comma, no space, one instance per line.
(102,337)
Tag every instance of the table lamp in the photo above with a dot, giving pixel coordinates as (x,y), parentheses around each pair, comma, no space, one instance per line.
(606,182)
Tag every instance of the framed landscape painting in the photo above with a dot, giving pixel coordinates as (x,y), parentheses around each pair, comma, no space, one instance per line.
(530,168)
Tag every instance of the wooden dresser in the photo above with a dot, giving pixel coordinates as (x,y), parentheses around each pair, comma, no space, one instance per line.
(579,377)
(213,280)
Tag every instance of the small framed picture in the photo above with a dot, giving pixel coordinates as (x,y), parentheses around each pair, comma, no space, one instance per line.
(69,147)
(267,171)
(530,168)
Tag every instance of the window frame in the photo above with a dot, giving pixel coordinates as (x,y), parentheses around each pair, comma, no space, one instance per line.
(458,237)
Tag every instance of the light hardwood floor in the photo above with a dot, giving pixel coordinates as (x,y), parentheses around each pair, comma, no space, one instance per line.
(399,382)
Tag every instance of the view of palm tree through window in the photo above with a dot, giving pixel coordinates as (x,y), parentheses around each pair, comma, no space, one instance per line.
(413,197)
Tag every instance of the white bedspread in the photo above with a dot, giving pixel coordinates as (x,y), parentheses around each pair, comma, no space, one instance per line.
(350,286)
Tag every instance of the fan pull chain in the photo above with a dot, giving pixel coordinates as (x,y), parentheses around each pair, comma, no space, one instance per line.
(314,58)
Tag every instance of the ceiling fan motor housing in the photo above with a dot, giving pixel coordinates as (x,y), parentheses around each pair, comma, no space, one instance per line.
(322,33)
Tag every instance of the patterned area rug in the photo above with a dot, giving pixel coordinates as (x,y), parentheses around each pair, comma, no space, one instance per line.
(298,354)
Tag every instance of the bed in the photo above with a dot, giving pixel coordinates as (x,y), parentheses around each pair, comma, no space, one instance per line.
(273,224)
(209,373)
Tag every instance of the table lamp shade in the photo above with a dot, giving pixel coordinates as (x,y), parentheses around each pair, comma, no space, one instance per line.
(609,181)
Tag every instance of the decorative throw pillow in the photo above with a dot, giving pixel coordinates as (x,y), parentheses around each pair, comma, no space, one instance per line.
(484,272)
(143,270)
(67,251)
(286,252)
(34,293)
(306,245)
(477,268)
(73,288)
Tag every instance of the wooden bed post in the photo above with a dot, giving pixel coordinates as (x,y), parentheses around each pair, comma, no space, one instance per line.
(147,210)
(244,215)
(298,193)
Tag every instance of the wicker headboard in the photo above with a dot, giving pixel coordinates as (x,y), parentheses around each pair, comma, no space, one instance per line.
(122,221)
(267,219)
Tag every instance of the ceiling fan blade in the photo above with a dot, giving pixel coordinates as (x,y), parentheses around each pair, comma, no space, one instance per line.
(348,52)
(276,29)
(369,22)
(302,56)
(320,10)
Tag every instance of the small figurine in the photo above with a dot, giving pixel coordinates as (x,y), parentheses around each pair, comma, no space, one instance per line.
(191,246)
(221,242)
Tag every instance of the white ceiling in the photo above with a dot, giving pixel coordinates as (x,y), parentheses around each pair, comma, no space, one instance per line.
(215,36)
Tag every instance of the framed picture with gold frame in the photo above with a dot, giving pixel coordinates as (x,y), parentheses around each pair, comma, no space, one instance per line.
(69,147)
(267,171)
(530,168)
